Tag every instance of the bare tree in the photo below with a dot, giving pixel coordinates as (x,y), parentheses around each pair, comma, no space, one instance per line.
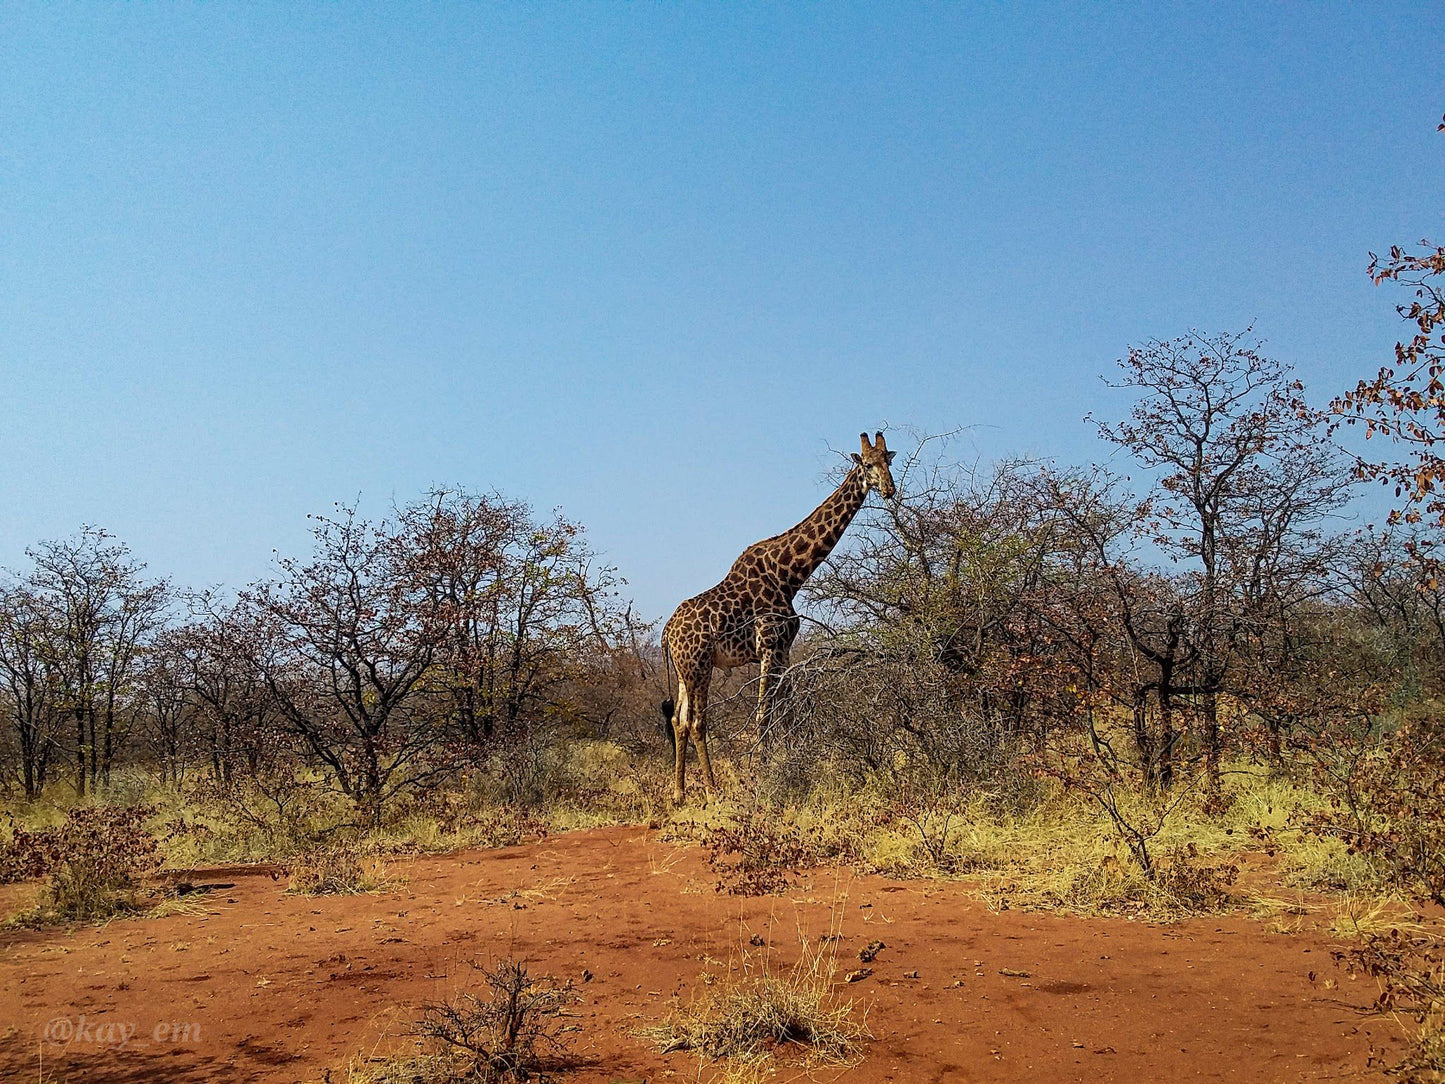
(941,633)
(234,718)
(166,707)
(527,615)
(344,642)
(29,682)
(1392,580)
(104,612)
(1243,476)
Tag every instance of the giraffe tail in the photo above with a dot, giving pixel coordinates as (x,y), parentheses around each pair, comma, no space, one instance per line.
(669,706)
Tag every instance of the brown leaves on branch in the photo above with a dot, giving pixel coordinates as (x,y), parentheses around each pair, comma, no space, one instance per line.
(1405,401)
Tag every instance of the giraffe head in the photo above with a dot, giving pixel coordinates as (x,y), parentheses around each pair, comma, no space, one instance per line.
(874,460)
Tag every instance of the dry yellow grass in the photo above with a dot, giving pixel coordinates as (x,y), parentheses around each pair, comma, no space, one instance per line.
(741,1016)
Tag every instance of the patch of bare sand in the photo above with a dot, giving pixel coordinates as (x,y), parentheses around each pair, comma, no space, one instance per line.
(281,988)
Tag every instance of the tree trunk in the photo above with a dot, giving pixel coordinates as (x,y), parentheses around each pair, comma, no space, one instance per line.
(27,758)
(1143,740)
(1167,735)
(1211,742)
(80,752)
(107,753)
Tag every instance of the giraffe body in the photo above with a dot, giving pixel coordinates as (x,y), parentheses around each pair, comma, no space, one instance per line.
(749,616)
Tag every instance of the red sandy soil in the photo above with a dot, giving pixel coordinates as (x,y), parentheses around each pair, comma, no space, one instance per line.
(282,988)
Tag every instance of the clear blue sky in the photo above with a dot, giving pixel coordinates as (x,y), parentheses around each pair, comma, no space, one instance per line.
(647,262)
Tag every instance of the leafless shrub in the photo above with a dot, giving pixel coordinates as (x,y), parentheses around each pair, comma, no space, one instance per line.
(510,1032)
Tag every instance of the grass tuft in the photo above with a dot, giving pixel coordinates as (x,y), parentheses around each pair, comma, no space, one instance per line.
(753,1010)
(345,869)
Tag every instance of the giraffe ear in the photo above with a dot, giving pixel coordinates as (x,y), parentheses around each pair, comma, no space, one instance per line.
(857,459)
(889,456)
(867,447)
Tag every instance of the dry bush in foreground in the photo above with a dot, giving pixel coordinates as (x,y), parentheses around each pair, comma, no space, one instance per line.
(1387,803)
(512,1033)
(509,1033)
(1411,974)
(91,859)
(752,1010)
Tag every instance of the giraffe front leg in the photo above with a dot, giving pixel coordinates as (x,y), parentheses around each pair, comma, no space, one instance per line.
(773,667)
(765,693)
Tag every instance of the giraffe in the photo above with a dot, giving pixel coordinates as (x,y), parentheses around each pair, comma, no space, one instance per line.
(749,616)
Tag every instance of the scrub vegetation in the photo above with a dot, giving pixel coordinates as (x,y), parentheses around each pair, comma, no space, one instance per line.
(1174,686)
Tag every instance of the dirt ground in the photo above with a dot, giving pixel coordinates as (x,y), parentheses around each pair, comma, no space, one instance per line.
(261,986)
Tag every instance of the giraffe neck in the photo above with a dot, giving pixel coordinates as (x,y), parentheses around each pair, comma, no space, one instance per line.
(802,549)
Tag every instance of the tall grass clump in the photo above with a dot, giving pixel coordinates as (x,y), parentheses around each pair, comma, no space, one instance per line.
(755,1010)
(349,868)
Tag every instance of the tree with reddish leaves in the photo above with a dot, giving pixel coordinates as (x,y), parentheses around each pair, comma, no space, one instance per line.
(1405,401)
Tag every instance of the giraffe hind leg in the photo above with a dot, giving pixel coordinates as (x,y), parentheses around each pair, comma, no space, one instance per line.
(697,724)
(677,723)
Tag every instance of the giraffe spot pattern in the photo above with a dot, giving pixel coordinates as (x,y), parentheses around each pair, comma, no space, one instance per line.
(749,616)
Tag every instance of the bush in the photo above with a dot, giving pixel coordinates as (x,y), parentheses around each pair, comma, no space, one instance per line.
(91,860)
(510,1034)
(446,820)
(1388,804)
(1411,974)
(344,869)
(761,853)
(1195,886)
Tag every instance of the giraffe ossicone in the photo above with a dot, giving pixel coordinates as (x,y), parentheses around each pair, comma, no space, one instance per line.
(749,616)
